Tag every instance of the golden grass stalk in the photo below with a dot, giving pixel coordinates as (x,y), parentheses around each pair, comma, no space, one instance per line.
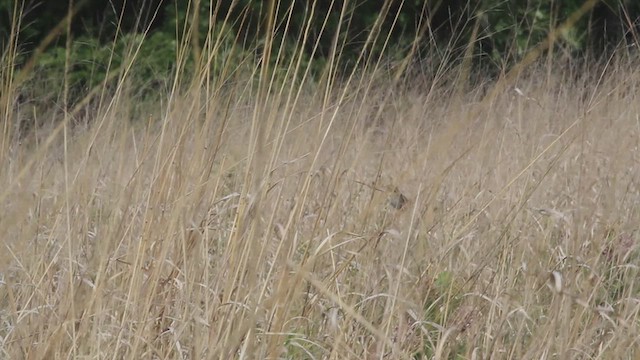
(253,215)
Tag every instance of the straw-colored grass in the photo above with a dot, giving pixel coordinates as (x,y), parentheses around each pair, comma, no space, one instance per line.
(244,221)
(183,237)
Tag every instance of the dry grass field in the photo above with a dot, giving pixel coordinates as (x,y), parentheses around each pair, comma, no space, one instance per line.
(375,217)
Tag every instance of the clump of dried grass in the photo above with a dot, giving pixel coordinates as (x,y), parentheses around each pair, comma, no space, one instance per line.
(243,222)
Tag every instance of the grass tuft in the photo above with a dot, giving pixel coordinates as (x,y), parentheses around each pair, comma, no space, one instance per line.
(266,213)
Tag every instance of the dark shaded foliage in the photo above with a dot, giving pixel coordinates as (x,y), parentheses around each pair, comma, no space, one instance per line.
(507,27)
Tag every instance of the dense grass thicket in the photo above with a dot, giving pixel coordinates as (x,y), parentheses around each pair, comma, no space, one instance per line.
(394,212)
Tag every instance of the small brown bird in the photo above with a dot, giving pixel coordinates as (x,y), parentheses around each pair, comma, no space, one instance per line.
(397,200)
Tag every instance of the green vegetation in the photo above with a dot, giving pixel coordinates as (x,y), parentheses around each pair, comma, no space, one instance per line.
(278,179)
(500,32)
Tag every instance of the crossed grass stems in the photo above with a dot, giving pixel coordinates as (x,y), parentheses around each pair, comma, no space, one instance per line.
(199,246)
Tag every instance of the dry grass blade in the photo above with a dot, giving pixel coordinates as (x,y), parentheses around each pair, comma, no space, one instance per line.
(392,211)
